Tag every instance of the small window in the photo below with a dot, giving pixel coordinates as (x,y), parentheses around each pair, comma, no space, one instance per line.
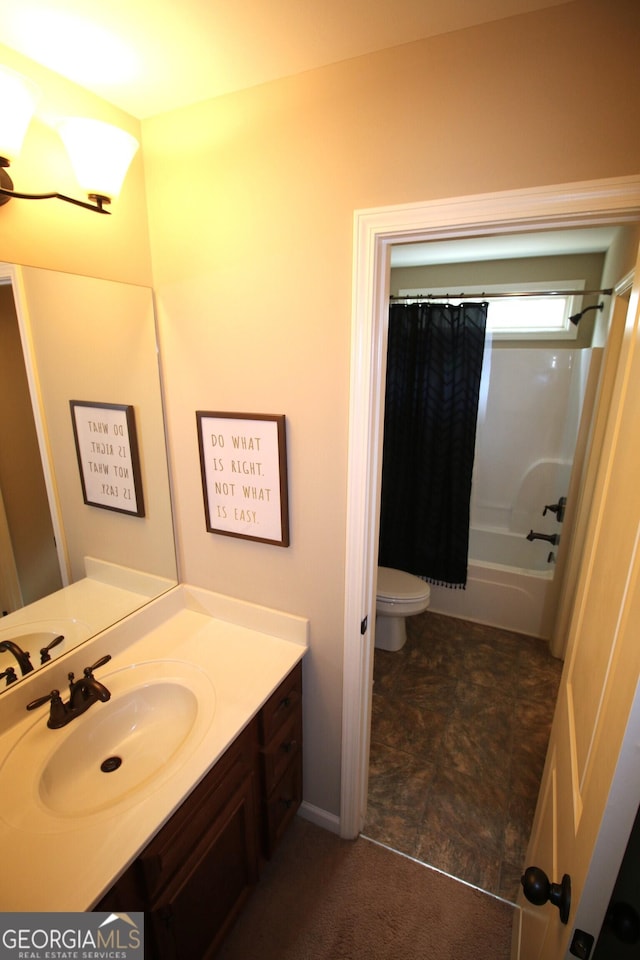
(520,318)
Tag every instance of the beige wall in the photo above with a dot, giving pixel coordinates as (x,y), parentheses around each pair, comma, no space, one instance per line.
(95,340)
(251,201)
(252,260)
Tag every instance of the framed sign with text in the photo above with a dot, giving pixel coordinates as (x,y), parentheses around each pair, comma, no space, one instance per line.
(243,460)
(108,458)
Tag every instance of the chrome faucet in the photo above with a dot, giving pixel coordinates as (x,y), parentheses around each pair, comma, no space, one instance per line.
(83,693)
(22,656)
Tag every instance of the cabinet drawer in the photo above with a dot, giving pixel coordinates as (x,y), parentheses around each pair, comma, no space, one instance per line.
(281,750)
(183,833)
(284,703)
(282,805)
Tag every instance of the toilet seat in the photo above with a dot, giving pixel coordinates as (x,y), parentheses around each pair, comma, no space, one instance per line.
(398,586)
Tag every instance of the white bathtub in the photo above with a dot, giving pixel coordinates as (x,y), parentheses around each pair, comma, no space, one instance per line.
(508,584)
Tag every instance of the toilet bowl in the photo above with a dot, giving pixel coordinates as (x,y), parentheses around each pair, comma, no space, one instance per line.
(398,595)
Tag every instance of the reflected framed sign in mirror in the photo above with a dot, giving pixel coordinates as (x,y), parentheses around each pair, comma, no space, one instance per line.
(108,460)
(66,567)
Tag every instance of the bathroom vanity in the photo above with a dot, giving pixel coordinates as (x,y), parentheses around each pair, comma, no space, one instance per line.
(195,875)
(204,724)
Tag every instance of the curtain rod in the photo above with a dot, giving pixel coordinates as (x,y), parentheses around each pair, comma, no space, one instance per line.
(493,296)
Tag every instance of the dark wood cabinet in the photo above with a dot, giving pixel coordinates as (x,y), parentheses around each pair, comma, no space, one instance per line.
(200,869)
(280,730)
(193,878)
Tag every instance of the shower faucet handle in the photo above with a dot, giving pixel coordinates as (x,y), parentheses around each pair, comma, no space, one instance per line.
(557,508)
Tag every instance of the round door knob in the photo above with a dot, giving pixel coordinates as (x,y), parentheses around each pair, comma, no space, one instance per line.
(624,923)
(538,890)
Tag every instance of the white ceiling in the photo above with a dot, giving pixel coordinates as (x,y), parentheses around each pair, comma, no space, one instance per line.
(546,243)
(151,56)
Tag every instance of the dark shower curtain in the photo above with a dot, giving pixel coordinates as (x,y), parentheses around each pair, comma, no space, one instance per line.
(434,363)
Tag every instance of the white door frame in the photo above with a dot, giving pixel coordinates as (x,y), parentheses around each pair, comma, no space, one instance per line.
(562,206)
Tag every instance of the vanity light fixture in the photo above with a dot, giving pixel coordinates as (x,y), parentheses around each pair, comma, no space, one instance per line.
(100,154)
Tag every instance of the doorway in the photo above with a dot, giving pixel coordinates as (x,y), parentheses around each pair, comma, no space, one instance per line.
(29,567)
(539,374)
(461,714)
(375,234)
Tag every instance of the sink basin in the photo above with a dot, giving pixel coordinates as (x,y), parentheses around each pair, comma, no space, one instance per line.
(117,750)
(33,635)
(103,761)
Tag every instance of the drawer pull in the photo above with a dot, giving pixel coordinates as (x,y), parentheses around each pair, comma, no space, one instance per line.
(286,802)
(285,702)
(289,746)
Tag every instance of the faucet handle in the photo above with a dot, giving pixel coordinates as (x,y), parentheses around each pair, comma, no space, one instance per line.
(58,715)
(54,697)
(88,671)
(10,675)
(45,656)
(557,508)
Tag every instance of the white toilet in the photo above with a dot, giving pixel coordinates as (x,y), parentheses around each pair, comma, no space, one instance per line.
(398,595)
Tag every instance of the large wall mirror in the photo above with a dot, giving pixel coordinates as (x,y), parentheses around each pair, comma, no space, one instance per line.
(73,563)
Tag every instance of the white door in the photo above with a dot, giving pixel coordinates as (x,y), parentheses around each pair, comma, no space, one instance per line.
(586,770)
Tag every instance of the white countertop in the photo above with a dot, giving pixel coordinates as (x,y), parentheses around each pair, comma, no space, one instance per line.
(104,596)
(245,650)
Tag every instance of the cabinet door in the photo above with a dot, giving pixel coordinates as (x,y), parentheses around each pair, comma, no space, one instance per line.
(195,910)
(182,838)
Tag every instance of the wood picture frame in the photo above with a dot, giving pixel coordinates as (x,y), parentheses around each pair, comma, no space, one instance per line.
(108,456)
(243,462)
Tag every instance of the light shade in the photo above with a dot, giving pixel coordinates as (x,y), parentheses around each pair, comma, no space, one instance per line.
(18,98)
(100,154)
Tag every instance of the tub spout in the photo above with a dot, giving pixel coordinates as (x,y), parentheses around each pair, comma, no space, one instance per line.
(553,538)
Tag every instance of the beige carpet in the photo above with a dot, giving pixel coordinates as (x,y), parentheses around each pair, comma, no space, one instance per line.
(322,898)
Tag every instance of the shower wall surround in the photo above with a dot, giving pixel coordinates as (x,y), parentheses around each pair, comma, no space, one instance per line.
(531,401)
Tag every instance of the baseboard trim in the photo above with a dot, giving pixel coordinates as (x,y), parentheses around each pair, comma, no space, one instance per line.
(318,816)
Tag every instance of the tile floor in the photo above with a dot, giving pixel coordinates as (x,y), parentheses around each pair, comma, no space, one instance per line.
(460,725)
